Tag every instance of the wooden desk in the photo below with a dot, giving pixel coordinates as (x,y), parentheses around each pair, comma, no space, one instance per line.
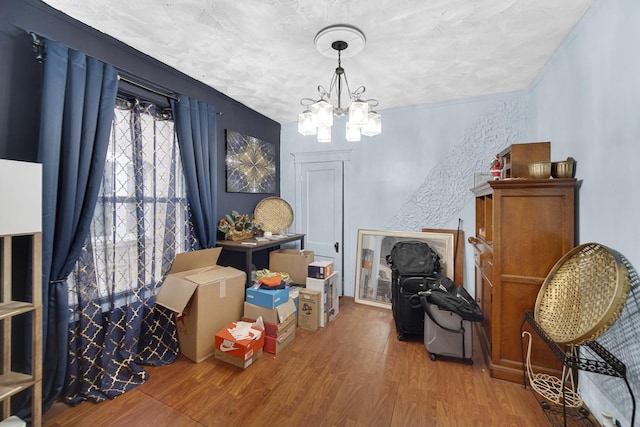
(250,246)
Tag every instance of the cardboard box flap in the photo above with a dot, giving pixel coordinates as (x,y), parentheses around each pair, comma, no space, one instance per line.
(285,310)
(175,293)
(195,259)
(214,275)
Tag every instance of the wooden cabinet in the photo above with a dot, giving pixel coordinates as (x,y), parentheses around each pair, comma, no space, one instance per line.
(523,227)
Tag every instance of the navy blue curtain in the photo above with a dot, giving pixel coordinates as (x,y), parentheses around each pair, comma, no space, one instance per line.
(195,124)
(140,223)
(78,100)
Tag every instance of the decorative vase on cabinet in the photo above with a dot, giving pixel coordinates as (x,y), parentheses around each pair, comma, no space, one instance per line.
(523,227)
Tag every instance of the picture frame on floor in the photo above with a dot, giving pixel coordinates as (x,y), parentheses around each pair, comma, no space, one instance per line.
(373,272)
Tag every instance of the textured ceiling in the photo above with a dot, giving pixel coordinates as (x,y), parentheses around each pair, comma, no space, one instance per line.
(262,53)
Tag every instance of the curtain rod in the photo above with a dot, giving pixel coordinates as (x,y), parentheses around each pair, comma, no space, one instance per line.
(148,89)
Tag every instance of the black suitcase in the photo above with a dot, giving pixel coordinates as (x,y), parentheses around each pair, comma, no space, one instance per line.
(408,312)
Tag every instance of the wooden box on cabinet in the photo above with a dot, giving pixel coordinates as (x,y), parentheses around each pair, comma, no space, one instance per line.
(516,158)
(527,229)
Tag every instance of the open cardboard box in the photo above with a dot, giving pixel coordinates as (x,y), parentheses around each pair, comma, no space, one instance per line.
(291,261)
(205,297)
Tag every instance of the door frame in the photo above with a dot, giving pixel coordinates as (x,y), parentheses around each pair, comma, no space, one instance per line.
(343,156)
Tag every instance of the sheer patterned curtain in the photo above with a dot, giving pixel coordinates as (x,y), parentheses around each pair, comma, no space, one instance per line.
(140,222)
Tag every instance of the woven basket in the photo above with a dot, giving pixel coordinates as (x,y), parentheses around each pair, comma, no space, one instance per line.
(583,294)
(239,235)
(274,213)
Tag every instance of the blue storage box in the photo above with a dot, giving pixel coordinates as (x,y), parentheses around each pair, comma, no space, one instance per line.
(270,298)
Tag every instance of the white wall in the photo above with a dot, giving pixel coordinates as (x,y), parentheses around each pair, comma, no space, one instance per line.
(586,101)
(418,173)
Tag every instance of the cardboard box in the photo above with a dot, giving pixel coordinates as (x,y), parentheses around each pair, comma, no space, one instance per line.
(242,349)
(274,329)
(279,329)
(329,296)
(320,269)
(235,361)
(270,315)
(293,295)
(274,345)
(309,309)
(205,298)
(270,298)
(291,261)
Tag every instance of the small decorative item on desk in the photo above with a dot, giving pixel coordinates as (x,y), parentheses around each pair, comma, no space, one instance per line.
(496,167)
(239,227)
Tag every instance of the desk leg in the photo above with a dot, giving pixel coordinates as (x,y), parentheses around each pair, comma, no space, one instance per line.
(302,243)
(247,267)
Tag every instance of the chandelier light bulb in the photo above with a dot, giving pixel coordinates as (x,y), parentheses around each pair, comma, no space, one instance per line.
(324,134)
(306,123)
(359,113)
(322,113)
(374,124)
(353,132)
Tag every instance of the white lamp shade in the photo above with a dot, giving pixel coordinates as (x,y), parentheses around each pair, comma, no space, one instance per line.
(353,132)
(324,134)
(322,113)
(374,124)
(358,113)
(306,124)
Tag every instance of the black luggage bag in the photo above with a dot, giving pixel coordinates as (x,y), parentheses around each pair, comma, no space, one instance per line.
(414,268)
(408,312)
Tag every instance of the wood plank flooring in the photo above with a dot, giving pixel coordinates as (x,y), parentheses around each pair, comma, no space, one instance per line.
(353,373)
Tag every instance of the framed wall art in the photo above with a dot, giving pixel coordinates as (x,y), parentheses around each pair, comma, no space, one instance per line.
(373,272)
(251,164)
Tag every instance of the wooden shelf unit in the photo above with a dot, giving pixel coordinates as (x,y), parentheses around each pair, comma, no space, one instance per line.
(12,382)
(523,227)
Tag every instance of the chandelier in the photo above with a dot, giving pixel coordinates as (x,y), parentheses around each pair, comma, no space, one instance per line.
(317,118)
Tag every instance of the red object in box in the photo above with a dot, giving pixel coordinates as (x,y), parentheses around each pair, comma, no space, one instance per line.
(242,349)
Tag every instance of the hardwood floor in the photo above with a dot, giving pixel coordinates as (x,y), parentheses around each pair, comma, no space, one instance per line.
(354,372)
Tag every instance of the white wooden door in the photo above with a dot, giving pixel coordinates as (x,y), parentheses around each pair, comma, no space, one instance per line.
(321,210)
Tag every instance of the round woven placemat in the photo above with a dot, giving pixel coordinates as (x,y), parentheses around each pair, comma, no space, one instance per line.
(274,213)
(583,294)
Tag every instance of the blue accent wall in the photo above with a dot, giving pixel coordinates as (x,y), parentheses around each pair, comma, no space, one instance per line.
(21,75)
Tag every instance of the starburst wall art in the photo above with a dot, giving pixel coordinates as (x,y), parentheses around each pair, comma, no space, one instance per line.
(251,165)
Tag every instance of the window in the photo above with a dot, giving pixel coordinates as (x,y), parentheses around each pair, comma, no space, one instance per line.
(141,218)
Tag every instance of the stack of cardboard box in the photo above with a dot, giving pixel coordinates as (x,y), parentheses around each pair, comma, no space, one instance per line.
(278,313)
(213,305)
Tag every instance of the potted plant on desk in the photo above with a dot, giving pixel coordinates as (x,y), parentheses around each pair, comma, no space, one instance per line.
(239,227)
